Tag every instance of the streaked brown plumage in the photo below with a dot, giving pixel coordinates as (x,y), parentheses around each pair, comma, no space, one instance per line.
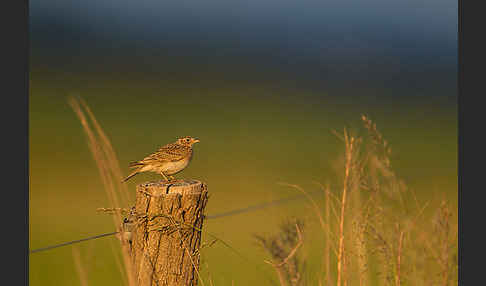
(168,160)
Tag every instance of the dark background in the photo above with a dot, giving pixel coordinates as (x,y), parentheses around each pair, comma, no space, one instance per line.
(407,46)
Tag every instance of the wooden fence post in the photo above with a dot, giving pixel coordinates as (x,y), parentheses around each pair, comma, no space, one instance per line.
(167,234)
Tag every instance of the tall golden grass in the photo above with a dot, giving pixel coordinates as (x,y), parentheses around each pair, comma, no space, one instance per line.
(376,229)
(110,174)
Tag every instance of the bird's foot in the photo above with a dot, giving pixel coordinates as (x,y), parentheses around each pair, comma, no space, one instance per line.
(170,179)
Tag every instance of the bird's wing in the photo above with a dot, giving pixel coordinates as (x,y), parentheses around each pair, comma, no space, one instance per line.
(169,153)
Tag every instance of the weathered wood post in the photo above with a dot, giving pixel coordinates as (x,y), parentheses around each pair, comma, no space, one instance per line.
(167,233)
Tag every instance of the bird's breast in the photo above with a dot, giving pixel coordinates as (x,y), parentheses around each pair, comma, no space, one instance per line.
(175,167)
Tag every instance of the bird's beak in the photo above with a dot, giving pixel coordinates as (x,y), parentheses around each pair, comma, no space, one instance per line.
(196,140)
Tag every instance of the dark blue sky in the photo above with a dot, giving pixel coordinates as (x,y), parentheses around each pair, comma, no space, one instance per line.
(401,40)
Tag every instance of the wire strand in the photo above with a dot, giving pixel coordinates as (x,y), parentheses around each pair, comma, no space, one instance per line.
(74,241)
(258,206)
(220,215)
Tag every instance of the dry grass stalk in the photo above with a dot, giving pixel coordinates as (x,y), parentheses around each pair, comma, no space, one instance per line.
(443,240)
(350,146)
(324,226)
(83,277)
(382,234)
(110,154)
(108,168)
(121,211)
(210,277)
(327,247)
(292,252)
(403,250)
(119,264)
(360,245)
(399,259)
(283,248)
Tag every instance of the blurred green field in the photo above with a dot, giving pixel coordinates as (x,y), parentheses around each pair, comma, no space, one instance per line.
(252,137)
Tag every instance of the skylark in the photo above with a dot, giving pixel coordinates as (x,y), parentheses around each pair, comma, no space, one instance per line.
(168,160)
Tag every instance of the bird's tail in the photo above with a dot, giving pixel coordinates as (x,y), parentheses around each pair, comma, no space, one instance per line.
(131,175)
(135,164)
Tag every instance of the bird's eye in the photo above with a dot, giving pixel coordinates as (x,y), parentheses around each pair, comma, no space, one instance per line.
(187,140)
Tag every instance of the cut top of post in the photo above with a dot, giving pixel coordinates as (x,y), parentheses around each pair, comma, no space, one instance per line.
(177,187)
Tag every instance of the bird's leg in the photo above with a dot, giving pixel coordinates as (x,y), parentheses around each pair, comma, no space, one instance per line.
(163,175)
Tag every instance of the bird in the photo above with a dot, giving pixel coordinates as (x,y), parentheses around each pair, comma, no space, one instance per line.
(167,160)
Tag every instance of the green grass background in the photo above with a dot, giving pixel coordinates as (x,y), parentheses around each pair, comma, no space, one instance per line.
(252,137)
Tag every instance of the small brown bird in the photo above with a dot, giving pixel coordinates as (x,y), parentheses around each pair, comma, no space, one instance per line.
(168,160)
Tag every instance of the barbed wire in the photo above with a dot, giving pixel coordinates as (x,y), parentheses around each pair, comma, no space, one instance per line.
(258,206)
(215,216)
(74,241)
